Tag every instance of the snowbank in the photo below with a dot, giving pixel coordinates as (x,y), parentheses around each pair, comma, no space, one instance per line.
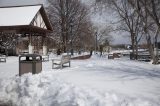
(47,89)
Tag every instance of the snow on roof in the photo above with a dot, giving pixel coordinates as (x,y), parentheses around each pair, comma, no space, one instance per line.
(12,16)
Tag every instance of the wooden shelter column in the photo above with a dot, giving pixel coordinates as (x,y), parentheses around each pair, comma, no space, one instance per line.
(30,46)
(44,44)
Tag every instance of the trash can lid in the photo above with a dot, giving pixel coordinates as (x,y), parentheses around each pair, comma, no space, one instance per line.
(30,55)
(34,56)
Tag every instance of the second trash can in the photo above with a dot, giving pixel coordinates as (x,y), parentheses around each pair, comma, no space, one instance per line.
(30,63)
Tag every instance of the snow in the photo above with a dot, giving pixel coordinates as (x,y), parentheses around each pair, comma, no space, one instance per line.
(92,82)
(20,15)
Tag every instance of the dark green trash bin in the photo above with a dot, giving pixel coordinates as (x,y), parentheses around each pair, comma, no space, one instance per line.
(30,63)
(132,56)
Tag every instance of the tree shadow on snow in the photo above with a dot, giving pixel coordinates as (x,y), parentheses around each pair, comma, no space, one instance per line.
(128,72)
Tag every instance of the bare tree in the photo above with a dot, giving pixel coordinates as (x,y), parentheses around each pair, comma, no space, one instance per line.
(139,18)
(130,22)
(8,41)
(153,10)
(68,18)
(149,11)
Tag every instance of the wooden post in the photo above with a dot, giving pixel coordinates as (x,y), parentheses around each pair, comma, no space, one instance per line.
(30,47)
(44,44)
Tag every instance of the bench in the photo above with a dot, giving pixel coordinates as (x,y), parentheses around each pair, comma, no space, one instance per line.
(2,58)
(144,57)
(110,56)
(45,58)
(64,60)
(117,55)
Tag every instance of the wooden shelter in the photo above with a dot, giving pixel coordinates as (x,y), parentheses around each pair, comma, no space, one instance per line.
(29,20)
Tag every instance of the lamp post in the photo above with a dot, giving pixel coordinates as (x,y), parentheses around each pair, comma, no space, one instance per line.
(96,42)
(71,37)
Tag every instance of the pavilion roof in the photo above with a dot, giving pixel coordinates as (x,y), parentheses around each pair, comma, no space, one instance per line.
(21,19)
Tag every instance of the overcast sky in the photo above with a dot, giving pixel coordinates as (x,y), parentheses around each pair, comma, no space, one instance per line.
(19,2)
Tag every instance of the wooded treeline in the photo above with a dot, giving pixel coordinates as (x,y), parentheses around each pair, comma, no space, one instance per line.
(140,18)
(74,30)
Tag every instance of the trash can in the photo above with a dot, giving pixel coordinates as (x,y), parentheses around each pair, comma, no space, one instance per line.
(30,63)
(132,56)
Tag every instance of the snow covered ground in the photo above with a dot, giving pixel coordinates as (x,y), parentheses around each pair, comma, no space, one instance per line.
(92,82)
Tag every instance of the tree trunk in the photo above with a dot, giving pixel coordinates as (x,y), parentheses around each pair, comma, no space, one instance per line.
(155,56)
(6,51)
(155,48)
(150,47)
(133,44)
(136,47)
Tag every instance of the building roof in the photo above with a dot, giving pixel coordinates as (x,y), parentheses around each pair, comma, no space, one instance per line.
(18,15)
(28,17)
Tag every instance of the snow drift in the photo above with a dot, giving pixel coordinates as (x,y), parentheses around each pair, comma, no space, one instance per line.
(47,89)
